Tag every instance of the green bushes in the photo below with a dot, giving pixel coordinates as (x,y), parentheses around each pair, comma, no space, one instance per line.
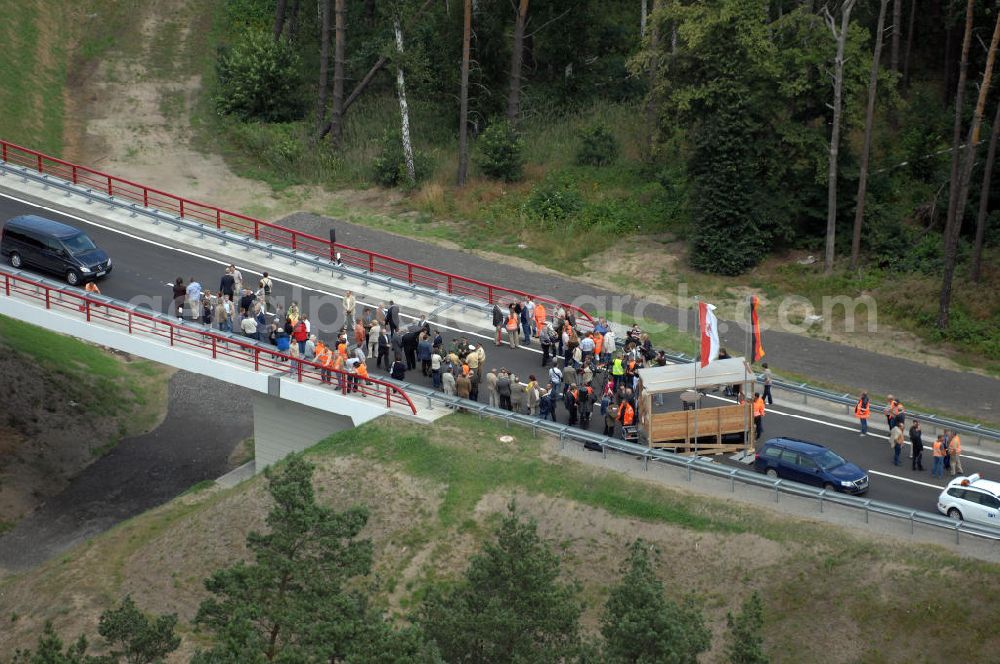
(551,203)
(501,152)
(260,79)
(598,147)
(558,203)
(389,167)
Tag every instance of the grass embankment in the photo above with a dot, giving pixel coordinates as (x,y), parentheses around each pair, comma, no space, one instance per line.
(33,73)
(46,45)
(829,595)
(105,386)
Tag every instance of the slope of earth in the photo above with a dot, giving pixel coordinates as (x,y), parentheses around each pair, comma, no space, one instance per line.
(434,493)
(65,404)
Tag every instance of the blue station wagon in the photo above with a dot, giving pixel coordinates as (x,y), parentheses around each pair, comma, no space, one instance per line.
(809,463)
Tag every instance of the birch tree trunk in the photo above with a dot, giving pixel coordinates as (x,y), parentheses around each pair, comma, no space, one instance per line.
(339,50)
(984,199)
(838,94)
(375,69)
(516,58)
(404,111)
(968,161)
(897,27)
(324,59)
(944,304)
(642,20)
(859,212)
(463,126)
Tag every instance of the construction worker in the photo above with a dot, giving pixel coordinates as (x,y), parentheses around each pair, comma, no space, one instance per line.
(955,452)
(362,372)
(890,412)
(617,371)
(539,315)
(513,328)
(92,289)
(626,416)
(758,415)
(862,410)
(937,470)
(325,358)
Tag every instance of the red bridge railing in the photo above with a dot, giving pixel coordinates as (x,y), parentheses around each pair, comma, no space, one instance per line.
(371,261)
(215,344)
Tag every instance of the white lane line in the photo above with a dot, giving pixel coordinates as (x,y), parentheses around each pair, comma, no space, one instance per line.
(219,262)
(905,479)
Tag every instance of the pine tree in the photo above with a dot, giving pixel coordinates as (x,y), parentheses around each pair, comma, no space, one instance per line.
(640,625)
(137,638)
(510,606)
(746,640)
(290,603)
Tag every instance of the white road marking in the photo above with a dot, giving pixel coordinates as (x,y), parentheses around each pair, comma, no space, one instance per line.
(905,479)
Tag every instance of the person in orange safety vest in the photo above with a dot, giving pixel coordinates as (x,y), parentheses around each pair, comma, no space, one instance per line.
(862,410)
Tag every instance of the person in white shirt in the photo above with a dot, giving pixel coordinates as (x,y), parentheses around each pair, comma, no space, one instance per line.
(609,347)
(349,305)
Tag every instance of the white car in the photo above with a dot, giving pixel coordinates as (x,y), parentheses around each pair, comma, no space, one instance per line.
(971,499)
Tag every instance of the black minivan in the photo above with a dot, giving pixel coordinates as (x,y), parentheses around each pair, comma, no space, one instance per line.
(52,246)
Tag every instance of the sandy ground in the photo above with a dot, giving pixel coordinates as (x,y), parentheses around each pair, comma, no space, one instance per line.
(163,556)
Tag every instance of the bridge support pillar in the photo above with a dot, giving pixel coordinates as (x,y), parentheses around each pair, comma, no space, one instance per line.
(282,427)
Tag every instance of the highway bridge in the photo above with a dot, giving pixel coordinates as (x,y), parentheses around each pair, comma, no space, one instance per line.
(149,253)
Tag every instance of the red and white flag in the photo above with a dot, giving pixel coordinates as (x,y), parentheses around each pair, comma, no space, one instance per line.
(709,327)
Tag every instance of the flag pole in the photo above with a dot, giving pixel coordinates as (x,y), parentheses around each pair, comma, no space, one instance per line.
(747,327)
(697,399)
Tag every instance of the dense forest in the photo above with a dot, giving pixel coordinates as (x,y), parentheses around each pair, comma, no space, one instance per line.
(865,131)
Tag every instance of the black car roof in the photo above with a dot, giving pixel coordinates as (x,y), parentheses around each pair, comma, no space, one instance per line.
(43,225)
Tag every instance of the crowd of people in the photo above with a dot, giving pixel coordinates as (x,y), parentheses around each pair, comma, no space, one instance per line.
(581,372)
(946,449)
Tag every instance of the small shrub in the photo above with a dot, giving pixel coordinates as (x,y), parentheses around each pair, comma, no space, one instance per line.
(501,152)
(551,203)
(598,147)
(389,166)
(260,79)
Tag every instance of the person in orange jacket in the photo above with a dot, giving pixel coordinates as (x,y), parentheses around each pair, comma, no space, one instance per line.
(862,411)
(758,415)
(540,314)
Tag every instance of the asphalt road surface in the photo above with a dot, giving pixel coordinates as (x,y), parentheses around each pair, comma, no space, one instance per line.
(144,270)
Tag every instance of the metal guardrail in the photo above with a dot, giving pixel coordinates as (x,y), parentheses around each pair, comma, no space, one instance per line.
(216,344)
(225,237)
(709,467)
(185,208)
(391,283)
(850,400)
